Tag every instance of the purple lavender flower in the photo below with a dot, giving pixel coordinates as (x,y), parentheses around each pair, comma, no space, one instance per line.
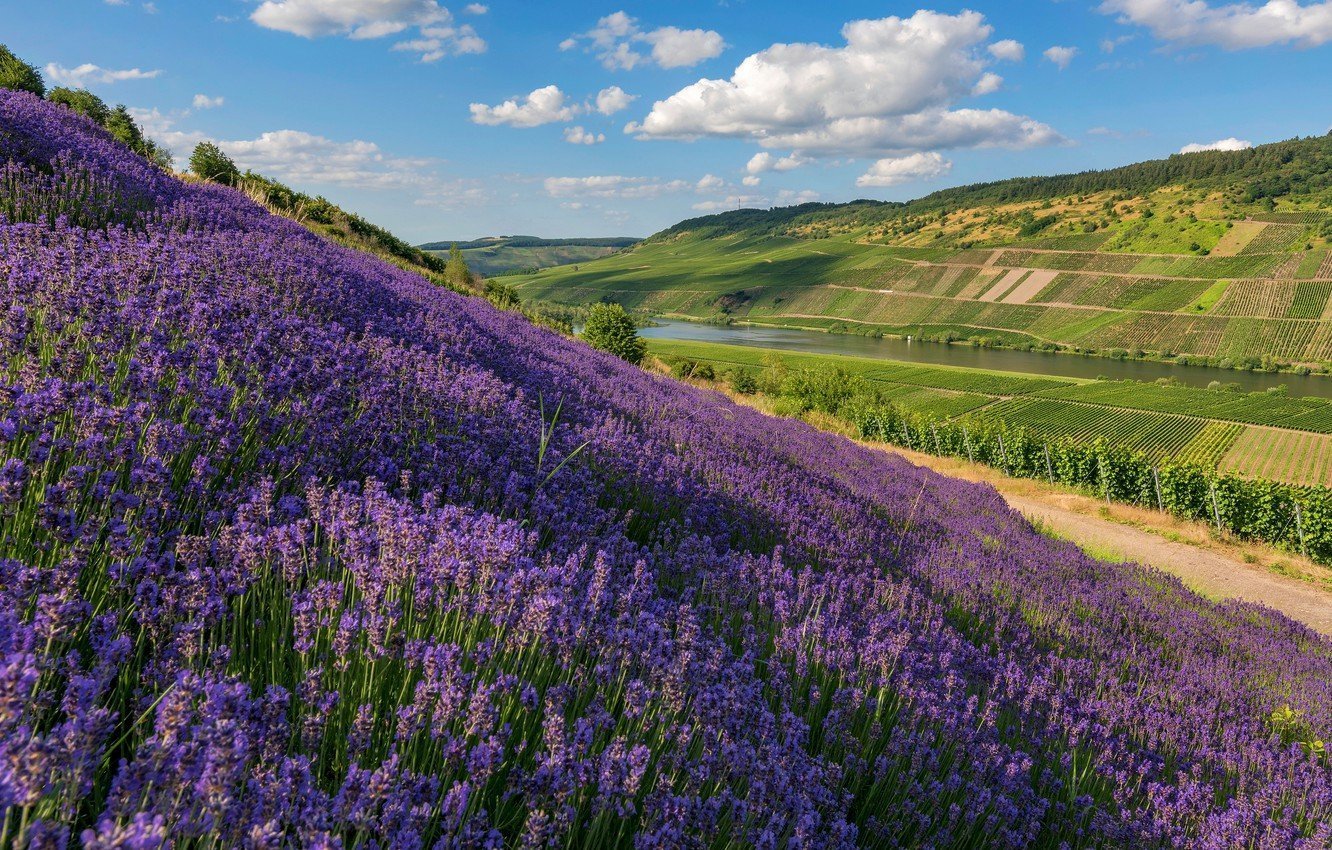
(280,566)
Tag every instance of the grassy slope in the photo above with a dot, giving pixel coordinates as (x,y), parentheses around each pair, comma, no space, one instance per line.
(1144,267)
(506,255)
(504,259)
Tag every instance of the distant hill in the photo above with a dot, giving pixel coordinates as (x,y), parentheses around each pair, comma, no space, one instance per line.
(1221,255)
(503,255)
(1297,167)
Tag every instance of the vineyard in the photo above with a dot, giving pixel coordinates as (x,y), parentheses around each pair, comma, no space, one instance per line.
(1306,218)
(1211,445)
(1297,457)
(1276,239)
(1254,435)
(1308,414)
(1262,298)
(1310,300)
(940,404)
(1156,435)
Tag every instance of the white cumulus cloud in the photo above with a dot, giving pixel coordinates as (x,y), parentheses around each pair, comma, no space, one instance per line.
(203,101)
(1234,26)
(1008,50)
(890,90)
(308,158)
(906,169)
(580,136)
(82,75)
(614,99)
(543,106)
(613,186)
(437,33)
(764,161)
(1061,56)
(617,37)
(1231,144)
(989,83)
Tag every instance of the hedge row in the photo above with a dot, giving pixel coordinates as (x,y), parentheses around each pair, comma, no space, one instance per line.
(1297,518)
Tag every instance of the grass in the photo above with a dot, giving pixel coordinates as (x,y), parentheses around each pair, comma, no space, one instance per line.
(1210,296)
(1165,235)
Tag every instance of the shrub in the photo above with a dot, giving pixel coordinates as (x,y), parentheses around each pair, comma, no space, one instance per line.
(610,329)
(210,163)
(17,74)
(456,273)
(742,381)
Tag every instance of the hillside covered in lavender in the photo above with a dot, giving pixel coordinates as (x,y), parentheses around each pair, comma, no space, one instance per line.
(298,549)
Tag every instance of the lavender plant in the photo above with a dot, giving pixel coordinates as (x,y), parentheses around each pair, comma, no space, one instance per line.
(294,553)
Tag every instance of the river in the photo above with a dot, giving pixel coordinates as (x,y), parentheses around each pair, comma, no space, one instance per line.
(1007,360)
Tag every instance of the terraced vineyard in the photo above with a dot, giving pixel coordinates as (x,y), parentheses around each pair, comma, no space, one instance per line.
(1293,456)
(1180,270)
(1253,434)
(1306,414)
(1211,444)
(1156,435)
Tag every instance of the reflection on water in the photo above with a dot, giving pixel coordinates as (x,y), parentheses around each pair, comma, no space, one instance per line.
(1039,362)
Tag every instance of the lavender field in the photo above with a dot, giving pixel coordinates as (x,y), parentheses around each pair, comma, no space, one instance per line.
(298,549)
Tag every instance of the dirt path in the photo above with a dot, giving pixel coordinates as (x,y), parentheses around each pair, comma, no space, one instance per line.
(1217,568)
(1212,574)
(1214,568)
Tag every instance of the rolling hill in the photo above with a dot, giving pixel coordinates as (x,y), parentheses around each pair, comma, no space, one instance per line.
(1219,256)
(503,255)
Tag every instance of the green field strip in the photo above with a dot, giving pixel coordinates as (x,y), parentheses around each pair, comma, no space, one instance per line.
(1211,445)
(956,378)
(1310,263)
(1207,300)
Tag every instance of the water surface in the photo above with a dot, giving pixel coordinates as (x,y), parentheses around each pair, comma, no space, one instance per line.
(1008,360)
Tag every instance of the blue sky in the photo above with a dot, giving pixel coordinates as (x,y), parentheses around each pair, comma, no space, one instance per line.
(621,118)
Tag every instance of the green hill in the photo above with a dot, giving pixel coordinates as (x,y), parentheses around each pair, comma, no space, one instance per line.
(503,255)
(1220,256)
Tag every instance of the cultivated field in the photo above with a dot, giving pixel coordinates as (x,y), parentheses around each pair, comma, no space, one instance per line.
(1254,434)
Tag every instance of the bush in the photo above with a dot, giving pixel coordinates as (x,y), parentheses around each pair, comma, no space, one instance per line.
(83,102)
(1298,518)
(17,74)
(742,381)
(609,328)
(210,163)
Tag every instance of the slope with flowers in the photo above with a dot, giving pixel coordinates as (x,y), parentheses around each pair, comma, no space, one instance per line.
(299,549)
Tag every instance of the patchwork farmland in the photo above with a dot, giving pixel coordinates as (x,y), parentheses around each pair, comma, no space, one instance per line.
(1169,273)
(1256,435)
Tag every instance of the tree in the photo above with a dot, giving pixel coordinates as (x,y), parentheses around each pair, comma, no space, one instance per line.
(83,102)
(17,74)
(456,272)
(120,124)
(610,329)
(210,163)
